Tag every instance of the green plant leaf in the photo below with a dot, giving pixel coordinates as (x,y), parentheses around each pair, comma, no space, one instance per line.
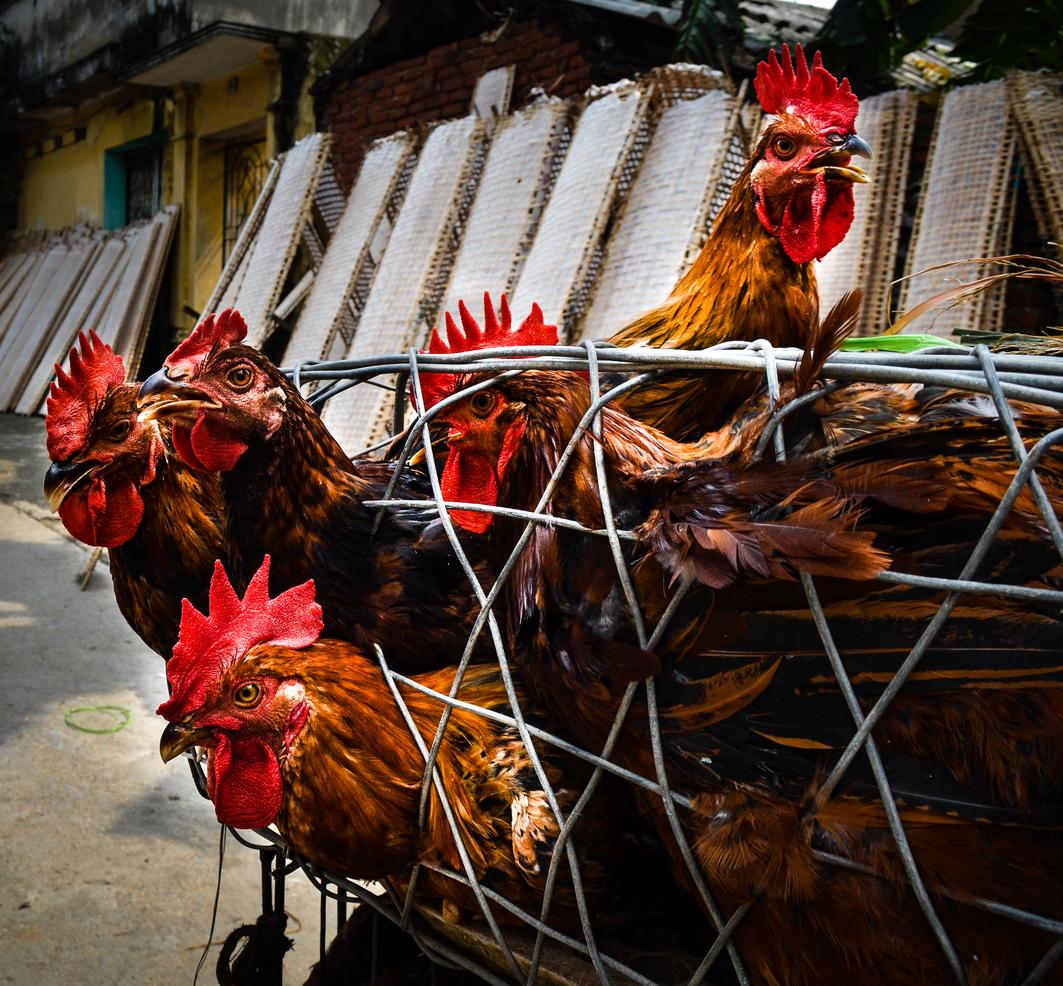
(896,344)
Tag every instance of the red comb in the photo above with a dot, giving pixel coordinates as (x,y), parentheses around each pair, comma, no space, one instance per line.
(222,330)
(74,396)
(815,94)
(208,645)
(533,331)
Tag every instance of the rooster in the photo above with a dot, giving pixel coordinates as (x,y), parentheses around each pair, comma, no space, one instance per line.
(754,278)
(117,484)
(749,708)
(303,731)
(289,490)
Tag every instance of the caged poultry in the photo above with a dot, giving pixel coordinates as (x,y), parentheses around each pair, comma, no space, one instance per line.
(754,277)
(659,612)
(116,483)
(288,489)
(302,731)
(751,718)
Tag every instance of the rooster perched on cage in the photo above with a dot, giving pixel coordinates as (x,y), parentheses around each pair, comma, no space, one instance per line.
(754,278)
(304,731)
(749,708)
(116,483)
(288,489)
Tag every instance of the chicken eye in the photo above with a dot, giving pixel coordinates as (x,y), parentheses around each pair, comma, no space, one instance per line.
(784,147)
(119,430)
(240,377)
(482,403)
(247,694)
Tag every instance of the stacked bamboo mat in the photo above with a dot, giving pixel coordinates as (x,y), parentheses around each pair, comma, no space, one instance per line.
(392,318)
(1037,102)
(665,213)
(517,179)
(349,249)
(965,210)
(867,257)
(575,219)
(75,280)
(594,208)
(258,267)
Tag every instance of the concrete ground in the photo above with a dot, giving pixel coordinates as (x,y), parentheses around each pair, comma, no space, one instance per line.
(108,857)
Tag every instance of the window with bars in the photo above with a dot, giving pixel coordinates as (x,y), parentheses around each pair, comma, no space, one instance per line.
(245,170)
(143,176)
(132,181)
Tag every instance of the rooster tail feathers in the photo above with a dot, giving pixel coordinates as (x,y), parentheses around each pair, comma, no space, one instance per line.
(825,338)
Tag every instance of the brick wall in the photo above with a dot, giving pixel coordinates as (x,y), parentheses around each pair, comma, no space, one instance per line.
(439,85)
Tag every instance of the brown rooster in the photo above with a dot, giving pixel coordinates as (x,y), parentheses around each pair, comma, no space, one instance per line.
(750,711)
(116,483)
(754,278)
(289,490)
(303,731)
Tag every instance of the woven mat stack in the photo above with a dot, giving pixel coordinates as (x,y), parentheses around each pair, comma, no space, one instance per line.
(867,257)
(966,208)
(665,212)
(107,280)
(406,272)
(349,249)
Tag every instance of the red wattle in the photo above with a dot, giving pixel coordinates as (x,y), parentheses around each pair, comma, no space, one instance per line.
(470,478)
(244,782)
(209,446)
(104,514)
(815,220)
(182,443)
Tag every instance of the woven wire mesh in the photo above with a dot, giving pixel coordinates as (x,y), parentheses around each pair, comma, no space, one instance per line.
(1001,377)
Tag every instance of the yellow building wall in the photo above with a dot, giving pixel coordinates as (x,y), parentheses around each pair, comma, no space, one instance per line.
(222,111)
(65,186)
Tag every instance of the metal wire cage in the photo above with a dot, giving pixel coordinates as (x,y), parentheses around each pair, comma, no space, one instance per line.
(999,377)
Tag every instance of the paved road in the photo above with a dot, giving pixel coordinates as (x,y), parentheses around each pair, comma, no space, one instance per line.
(108,857)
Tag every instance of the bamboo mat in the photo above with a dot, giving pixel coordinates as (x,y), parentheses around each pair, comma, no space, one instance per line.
(966,207)
(867,257)
(560,262)
(76,279)
(21,348)
(508,204)
(666,208)
(55,350)
(227,290)
(392,319)
(348,249)
(1036,99)
(278,238)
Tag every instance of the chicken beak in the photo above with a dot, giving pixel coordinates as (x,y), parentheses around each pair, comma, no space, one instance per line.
(61,479)
(858,147)
(176,738)
(836,161)
(171,398)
